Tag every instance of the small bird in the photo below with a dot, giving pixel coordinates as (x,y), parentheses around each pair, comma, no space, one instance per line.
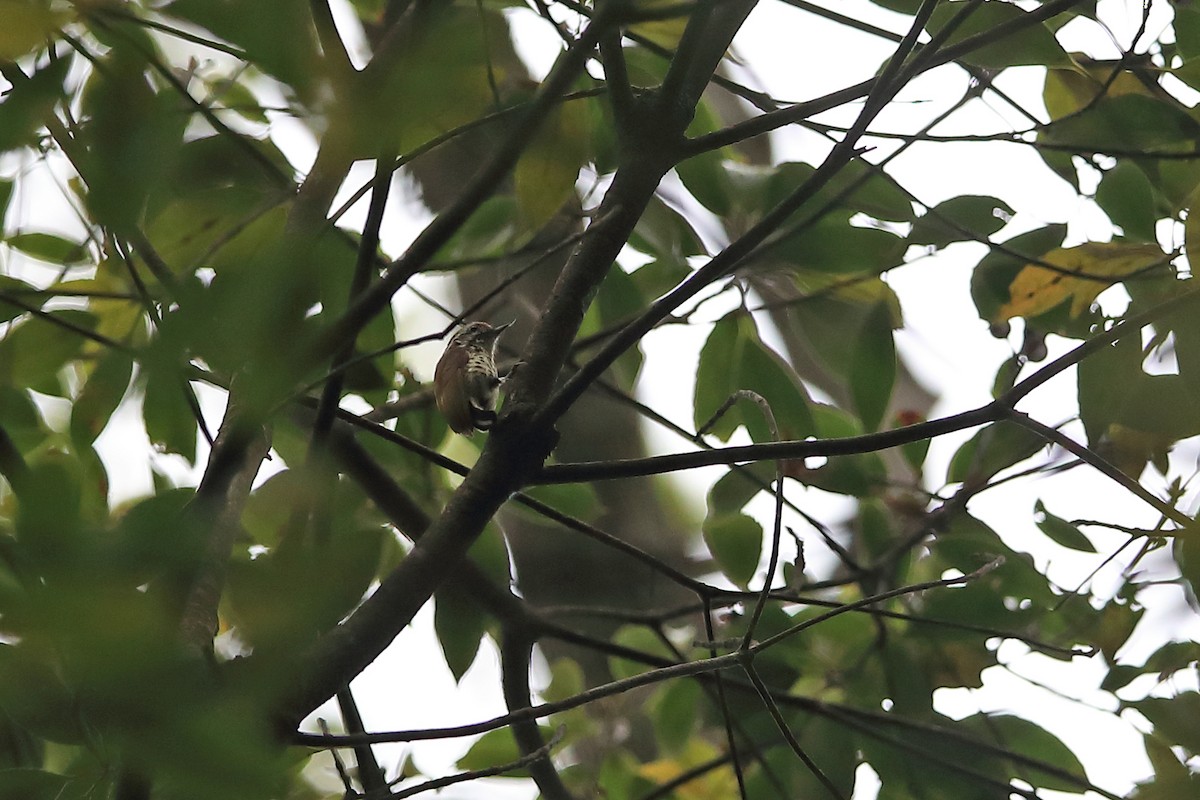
(465,380)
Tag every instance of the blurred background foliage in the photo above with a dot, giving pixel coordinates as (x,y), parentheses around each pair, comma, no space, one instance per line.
(189,249)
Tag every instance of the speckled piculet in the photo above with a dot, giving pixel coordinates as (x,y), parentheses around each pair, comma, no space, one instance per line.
(465,380)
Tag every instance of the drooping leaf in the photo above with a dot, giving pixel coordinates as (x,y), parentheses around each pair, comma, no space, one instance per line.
(545,174)
(1079,274)
(676,712)
(100,397)
(458,620)
(33,352)
(735,358)
(1106,379)
(639,638)
(460,625)
(132,138)
(735,541)
(994,448)
(1127,196)
(1061,531)
(666,234)
(873,366)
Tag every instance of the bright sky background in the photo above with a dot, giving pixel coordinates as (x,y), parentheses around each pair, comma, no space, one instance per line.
(796,56)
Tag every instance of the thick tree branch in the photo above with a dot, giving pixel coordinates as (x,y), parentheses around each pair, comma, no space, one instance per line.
(516,447)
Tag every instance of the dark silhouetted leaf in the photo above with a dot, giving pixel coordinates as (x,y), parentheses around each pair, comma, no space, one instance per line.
(736,543)
(1061,531)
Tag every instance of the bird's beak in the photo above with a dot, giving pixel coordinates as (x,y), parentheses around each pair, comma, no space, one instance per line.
(499,329)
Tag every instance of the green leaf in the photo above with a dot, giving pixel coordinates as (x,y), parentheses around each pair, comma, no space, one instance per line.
(1174,718)
(498,747)
(460,626)
(1127,196)
(1033,45)
(1126,123)
(658,277)
(436,82)
(170,422)
(20,418)
(277,35)
(735,541)
(857,475)
(544,177)
(50,248)
(33,696)
(666,234)
(34,784)
(734,358)
(49,517)
(675,714)
(132,138)
(100,397)
(27,27)
(574,499)
(834,245)
(994,448)
(490,231)
(1060,531)
(995,272)
(156,536)
(735,488)
(28,103)
(6,188)
(458,619)
(834,747)
(641,639)
(961,219)
(1187,31)
(19,290)
(32,352)
(1020,736)
(1105,381)
(873,368)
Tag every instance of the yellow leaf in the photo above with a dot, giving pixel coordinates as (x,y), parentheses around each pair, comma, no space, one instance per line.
(1078,273)
(1068,91)
(26,27)
(716,784)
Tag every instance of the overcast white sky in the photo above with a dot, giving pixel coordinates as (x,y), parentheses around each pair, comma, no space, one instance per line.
(796,56)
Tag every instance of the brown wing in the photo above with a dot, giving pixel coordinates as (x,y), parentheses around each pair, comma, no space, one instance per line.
(450,393)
